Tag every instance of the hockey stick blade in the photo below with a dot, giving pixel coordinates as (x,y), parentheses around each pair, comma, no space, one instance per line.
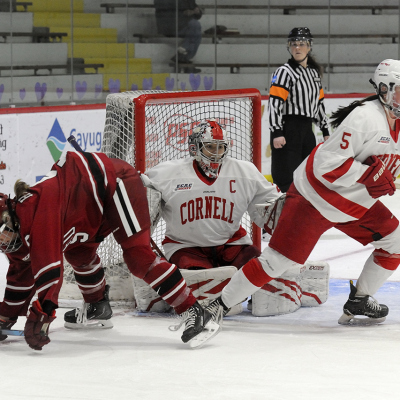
(354,321)
(209,331)
(11,332)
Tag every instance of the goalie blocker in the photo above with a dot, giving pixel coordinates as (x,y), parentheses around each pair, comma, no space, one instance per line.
(306,286)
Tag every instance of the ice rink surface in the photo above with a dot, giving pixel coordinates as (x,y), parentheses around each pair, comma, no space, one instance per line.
(305,355)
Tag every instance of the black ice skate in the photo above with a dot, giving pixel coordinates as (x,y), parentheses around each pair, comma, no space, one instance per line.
(91,315)
(218,310)
(362,305)
(199,326)
(6,325)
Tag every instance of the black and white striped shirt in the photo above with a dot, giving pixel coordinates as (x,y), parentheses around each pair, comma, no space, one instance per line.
(296,90)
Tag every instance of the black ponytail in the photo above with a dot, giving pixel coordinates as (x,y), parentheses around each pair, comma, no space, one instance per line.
(342,112)
(312,62)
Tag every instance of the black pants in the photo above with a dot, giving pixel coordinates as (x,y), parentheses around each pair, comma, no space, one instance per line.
(300,140)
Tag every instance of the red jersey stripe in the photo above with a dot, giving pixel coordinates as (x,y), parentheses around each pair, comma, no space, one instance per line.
(395,133)
(241,232)
(331,197)
(339,171)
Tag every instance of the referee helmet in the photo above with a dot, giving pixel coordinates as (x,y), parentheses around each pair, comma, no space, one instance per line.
(300,34)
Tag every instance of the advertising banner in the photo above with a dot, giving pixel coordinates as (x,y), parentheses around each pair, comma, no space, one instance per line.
(32,140)
(30,143)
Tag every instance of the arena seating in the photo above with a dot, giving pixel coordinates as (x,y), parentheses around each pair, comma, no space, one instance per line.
(349,40)
(359,37)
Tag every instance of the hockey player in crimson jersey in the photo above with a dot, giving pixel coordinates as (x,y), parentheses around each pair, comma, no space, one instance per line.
(204,199)
(84,198)
(339,185)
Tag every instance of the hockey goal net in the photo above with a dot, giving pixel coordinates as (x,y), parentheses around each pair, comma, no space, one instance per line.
(145,128)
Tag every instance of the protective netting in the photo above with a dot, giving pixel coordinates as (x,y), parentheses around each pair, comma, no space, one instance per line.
(167,125)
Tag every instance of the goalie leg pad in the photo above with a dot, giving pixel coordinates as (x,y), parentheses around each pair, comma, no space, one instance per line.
(206,285)
(315,283)
(147,300)
(300,286)
(281,295)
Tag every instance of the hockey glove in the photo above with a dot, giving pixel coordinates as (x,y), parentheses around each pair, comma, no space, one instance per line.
(377,179)
(6,324)
(270,212)
(37,326)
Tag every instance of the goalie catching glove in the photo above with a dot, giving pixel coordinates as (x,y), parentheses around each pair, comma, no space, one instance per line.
(377,178)
(270,212)
(37,326)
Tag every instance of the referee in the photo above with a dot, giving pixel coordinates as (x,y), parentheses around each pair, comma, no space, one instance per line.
(296,101)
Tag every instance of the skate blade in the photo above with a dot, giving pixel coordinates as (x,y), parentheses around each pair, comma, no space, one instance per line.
(94,324)
(352,320)
(209,331)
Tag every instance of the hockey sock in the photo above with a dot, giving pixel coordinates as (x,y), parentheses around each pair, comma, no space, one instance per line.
(91,280)
(167,281)
(377,269)
(244,283)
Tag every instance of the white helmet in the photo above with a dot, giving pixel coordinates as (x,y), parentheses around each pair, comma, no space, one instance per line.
(386,79)
(209,131)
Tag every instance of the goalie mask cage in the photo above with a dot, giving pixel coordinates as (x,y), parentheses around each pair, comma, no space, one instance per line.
(145,128)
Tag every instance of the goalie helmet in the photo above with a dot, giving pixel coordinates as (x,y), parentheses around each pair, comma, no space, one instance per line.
(209,146)
(10,240)
(386,80)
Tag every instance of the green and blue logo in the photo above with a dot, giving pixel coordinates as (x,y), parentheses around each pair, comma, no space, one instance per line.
(56,141)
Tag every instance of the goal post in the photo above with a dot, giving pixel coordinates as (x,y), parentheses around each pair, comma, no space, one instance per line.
(145,128)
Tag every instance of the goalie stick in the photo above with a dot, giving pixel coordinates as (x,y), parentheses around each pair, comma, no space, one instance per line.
(11,332)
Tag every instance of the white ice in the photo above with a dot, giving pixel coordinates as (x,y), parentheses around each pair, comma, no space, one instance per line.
(305,355)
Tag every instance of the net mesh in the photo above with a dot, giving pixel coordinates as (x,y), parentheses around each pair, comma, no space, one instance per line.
(167,126)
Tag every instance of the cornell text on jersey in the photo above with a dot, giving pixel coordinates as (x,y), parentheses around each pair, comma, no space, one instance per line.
(207,207)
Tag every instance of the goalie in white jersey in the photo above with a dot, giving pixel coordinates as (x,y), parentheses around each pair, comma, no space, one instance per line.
(338,185)
(204,199)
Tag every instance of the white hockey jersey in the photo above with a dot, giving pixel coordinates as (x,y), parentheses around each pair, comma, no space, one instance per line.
(201,213)
(328,177)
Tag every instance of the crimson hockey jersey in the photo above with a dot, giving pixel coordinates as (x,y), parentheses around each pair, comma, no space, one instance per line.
(328,177)
(200,212)
(58,213)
